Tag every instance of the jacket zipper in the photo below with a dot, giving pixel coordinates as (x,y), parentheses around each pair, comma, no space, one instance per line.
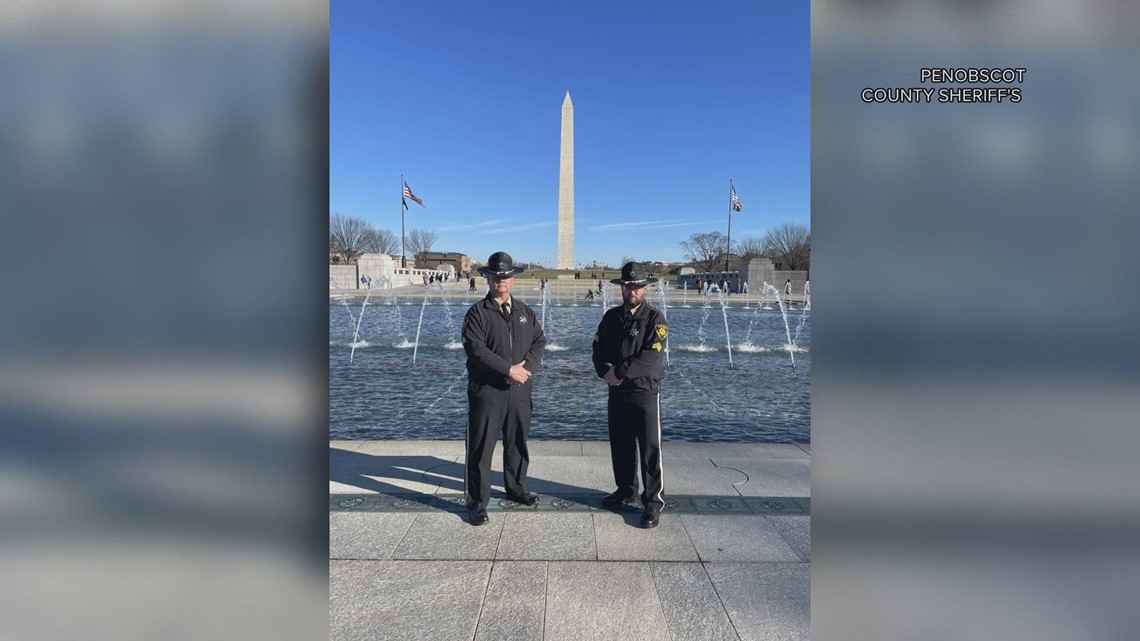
(510,342)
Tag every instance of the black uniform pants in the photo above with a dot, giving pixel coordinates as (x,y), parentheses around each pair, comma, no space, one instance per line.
(491,411)
(635,435)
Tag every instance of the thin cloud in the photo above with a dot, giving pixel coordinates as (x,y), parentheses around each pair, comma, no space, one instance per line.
(507,230)
(659,224)
(478,225)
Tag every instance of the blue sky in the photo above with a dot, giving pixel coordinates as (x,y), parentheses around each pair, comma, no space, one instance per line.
(671,99)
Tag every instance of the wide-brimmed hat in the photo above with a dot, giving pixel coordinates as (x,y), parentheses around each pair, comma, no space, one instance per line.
(500,264)
(633,274)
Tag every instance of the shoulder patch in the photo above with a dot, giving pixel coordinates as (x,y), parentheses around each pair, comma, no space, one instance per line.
(597,338)
(662,331)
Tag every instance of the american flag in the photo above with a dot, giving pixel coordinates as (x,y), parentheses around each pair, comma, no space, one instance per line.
(736,204)
(408,194)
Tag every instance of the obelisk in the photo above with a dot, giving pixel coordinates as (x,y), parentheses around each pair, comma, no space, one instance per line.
(566,188)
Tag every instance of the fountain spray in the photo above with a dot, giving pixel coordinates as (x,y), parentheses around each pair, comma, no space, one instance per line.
(455,343)
(784,313)
(419,325)
(665,313)
(704,320)
(343,300)
(356,332)
(724,311)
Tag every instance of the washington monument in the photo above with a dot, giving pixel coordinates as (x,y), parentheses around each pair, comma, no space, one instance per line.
(566,188)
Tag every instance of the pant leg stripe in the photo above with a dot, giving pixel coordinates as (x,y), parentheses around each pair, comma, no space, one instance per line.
(660,454)
(466,452)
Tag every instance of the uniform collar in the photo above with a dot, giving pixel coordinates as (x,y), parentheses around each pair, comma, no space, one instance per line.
(631,313)
(494,302)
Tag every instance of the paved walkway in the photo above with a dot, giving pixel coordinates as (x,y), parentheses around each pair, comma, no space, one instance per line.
(730,559)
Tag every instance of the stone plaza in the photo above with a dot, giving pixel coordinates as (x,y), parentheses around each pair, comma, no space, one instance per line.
(730,560)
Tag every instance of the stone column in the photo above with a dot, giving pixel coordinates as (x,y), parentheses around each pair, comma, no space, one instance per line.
(566,188)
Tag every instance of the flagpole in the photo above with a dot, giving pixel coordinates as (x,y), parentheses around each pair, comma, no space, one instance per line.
(729,251)
(403,206)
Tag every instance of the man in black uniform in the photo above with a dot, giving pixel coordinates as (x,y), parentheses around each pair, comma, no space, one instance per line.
(504,345)
(627,354)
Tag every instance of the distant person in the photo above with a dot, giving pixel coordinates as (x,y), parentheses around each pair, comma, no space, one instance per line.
(472,284)
(504,345)
(627,352)
(745,287)
(589,294)
(599,288)
(787,288)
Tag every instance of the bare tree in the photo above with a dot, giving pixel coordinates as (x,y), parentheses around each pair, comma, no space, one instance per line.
(626,259)
(705,250)
(420,241)
(348,235)
(381,241)
(789,244)
(751,247)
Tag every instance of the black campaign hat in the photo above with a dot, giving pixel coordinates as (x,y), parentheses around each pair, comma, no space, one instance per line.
(500,264)
(633,274)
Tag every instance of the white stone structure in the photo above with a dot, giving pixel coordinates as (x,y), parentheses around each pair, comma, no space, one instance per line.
(566,188)
(377,267)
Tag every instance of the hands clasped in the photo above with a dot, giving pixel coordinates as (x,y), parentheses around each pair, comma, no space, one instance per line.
(611,379)
(519,375)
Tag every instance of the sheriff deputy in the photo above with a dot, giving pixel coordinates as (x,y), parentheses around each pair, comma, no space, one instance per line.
(627,355)
(504,344)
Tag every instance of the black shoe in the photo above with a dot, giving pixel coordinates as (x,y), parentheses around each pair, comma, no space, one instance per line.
(480,518)
(650,519)
(530,499)
(615,501)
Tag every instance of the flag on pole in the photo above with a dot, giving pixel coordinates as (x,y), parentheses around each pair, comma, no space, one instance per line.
(408,194)
(736,204)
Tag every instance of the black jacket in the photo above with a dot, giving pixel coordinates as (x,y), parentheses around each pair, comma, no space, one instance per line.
(493,344)
(634,345)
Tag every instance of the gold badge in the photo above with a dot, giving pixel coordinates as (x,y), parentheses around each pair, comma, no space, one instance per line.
(662,331)
(656,346)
